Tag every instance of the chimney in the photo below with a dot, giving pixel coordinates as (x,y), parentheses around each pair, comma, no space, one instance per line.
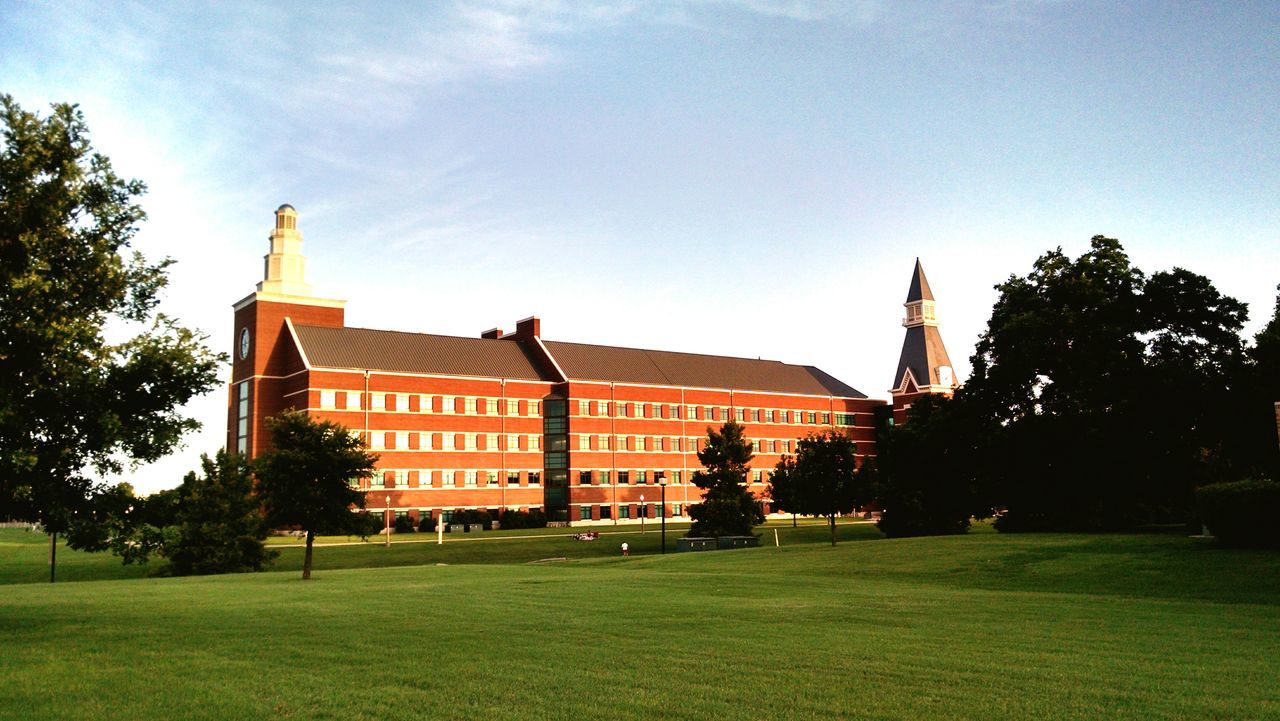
(530,327)
(492,334)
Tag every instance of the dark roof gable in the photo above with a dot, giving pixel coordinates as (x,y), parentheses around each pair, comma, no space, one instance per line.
(386,350)
(581,361)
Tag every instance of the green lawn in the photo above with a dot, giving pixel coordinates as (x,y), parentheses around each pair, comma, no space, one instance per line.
(982,626)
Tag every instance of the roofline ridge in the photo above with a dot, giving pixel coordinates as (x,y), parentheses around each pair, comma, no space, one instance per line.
(681,352)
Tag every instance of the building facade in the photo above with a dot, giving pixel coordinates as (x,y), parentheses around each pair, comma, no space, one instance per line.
(514,420)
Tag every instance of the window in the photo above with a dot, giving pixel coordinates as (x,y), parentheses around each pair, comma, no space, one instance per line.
(584,478)
(402,440)
(353,400)
(845,419)
(676,509)
(755,446)
(448,479)
(535,478)
(826,419)
(491,406)
(739,414)
(513,478)
(604,478)
(447,442)
(624,477)
(624,511)
(555,425)
(491,441)
(533,408)
(328,400)
(402,402)
(401,479)
(469,479)
(378,440)
(242,418)
(584,513)
(491,478)
(469,406)
(755,476)
(556,460)
(440,404)
(642,477)
(584,408)
(810,417)
(675,478)
(606,513)
(378,401)
(535,443)
(470,440)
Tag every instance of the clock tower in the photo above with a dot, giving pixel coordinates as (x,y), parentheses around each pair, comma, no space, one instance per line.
(262,359)
(923,366)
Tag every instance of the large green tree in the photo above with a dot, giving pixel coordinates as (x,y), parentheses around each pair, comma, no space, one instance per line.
(307,478)
(728,508)
(219,524)
(822,479)
(1106,388)
(74,404)
(926,477)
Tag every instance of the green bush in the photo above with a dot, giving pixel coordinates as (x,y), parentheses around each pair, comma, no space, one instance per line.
(403,524)
(1242,513)
(509,519)
(427,524)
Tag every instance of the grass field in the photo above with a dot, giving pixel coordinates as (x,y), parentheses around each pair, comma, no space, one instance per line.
(975,627)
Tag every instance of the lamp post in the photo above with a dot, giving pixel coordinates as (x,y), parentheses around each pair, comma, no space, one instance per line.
(643,512)
(662,484)
(387,518)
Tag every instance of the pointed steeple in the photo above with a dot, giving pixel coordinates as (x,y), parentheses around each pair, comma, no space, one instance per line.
(923,366)
(919,289)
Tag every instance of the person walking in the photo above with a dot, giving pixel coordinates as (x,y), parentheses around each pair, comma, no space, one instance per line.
(626,549)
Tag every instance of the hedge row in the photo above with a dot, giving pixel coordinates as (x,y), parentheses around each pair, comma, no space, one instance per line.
(1242,513)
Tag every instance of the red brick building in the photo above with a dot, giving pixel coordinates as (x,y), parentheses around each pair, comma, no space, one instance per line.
(516,420)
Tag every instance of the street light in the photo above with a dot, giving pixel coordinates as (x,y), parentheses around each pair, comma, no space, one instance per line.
(643,512)
(387,518)
(662,483)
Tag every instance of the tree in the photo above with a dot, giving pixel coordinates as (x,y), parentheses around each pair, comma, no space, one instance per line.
(782,487)
(307,478)
(926,476)
(822,479)
(1104,390)
(219,526)
(727,507)
(74,406)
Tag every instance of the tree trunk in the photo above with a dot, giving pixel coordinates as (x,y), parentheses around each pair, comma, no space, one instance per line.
(793,519)
(306,558)
(832,518)
(53,554)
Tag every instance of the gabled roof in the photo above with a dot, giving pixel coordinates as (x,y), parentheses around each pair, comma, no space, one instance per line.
(581,361)
(919,289)
(385,350)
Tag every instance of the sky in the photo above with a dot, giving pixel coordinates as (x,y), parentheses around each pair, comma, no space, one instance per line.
(737,177)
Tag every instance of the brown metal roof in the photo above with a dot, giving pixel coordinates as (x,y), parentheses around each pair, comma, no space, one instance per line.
(385,350)
(581,361)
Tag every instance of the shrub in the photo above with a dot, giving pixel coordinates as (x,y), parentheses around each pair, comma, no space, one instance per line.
(427,524)
(403,524)
(1242,513)
(509,519)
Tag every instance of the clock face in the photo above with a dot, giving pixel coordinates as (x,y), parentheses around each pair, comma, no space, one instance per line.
(244,343)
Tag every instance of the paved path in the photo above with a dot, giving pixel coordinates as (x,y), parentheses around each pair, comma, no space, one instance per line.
(490,536)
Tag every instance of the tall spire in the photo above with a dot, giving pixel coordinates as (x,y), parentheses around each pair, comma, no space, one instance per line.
(919,289)
(923,366)
(285,266)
